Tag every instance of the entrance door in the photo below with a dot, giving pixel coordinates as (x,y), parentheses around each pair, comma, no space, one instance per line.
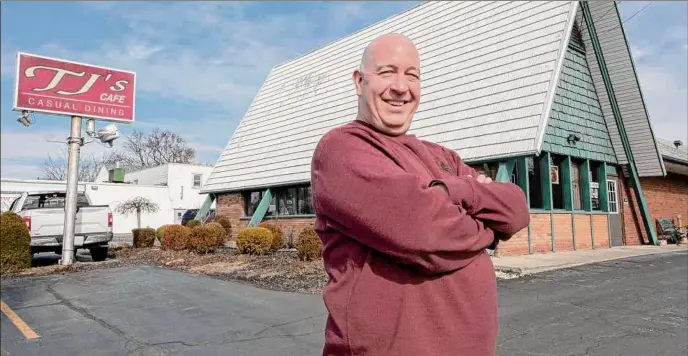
(178,213)
(615,222)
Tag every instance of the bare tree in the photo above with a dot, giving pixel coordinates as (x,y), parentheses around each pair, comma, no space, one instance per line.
(137,205)
(158,147)
(138,151)
(56,167)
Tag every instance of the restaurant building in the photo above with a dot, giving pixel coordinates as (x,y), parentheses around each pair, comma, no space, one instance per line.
(544,94)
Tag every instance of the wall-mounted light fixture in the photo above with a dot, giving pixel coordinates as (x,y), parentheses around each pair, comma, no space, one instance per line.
(573,138)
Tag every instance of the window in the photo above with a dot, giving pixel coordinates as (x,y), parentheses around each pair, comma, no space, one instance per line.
(197,180)
(595,185)
(613,199)
(576,184)
(286,201)
(534,180)
(556,169)
(54,200)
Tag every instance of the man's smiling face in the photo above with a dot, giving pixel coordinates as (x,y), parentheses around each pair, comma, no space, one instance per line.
(388,84)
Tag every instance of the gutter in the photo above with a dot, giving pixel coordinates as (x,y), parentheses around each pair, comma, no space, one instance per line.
(635,179)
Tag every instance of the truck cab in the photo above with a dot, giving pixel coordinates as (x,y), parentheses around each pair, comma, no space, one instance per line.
(43,213)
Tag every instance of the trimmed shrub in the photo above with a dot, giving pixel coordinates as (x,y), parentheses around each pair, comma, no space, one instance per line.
(175,237)
(202,239)
(15,243)
(309,245)
(159,232)
(144,237)
(277,235)
(226,224)
(254,240)
(219,233)
(193,223)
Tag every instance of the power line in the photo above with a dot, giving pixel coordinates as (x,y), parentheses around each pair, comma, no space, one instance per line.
(610,8)
(632,16)
(639,11)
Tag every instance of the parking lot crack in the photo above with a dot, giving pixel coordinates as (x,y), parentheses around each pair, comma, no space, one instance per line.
(87,314)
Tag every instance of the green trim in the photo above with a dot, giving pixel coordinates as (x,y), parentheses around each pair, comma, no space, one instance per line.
(282,217)
(522,172)
(604,196)
(611,169)
(644,211)
(205,207)
(565,180)
(261,209)
(585,186)
(505,170)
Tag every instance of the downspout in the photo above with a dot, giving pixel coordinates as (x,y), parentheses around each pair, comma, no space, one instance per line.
(635,179)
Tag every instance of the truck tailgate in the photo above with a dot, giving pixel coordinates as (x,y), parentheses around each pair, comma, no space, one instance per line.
(90,220)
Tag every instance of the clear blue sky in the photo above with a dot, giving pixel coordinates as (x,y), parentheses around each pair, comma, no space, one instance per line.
(199,64)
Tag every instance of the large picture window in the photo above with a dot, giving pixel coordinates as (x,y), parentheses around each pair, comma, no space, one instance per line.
(286,201)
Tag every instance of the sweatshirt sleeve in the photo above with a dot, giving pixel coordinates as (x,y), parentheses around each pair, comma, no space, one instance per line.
(500,206)
(361,191)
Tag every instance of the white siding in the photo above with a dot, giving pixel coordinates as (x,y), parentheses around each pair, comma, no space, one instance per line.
(488,73)
(626,89)
(150,176)
(183,195)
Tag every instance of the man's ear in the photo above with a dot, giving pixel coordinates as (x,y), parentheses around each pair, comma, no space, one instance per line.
(358,78)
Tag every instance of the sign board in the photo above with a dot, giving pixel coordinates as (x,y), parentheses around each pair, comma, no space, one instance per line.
(60,87)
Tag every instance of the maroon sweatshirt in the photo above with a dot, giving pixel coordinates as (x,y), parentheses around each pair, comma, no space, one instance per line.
(408,271)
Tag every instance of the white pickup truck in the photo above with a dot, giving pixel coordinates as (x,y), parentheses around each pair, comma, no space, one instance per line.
(43,213)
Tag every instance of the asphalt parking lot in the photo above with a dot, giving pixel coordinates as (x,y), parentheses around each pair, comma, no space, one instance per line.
(636,306)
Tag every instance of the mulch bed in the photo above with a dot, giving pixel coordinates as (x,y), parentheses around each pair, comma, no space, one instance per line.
(280,270)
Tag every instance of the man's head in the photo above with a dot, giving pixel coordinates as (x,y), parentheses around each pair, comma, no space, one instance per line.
(388,83)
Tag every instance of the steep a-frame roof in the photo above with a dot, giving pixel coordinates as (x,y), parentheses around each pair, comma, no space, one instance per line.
(490,71)
(626,86)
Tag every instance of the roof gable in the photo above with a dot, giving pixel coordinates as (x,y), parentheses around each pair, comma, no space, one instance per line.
(621,68)
(489,69)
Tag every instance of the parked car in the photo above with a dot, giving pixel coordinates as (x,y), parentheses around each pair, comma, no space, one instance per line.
(43,213)
(190,214)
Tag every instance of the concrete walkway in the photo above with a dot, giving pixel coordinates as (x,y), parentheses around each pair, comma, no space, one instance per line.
(535,263)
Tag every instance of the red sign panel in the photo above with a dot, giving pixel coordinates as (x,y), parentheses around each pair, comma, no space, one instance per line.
(55,86)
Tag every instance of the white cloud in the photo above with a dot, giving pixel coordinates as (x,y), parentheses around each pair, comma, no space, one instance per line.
(665,96)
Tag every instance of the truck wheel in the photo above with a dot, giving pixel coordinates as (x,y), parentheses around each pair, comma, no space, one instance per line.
(99,253)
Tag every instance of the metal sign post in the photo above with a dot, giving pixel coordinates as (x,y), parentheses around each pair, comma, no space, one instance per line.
(75,141)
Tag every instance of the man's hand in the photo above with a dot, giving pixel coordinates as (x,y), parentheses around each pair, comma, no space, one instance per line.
(483,179)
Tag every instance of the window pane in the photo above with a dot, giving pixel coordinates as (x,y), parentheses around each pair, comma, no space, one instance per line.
(576,184)
(556,163)
(287,201)
(252,201)
(305,206)
(534,183)
(595,185)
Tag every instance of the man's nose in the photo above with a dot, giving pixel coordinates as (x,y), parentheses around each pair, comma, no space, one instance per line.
(400,84)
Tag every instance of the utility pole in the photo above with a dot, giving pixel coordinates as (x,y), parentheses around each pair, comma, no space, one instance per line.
(74,141)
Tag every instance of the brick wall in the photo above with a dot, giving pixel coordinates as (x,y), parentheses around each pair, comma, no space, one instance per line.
(541,233)
(516,245)
(583,233)
(231,205)
(665,196)
(600,230)
(563,232)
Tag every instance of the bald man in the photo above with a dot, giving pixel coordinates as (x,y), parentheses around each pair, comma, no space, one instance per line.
(405,224)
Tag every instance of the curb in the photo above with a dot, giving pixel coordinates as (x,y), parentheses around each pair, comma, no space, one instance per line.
(524,271)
